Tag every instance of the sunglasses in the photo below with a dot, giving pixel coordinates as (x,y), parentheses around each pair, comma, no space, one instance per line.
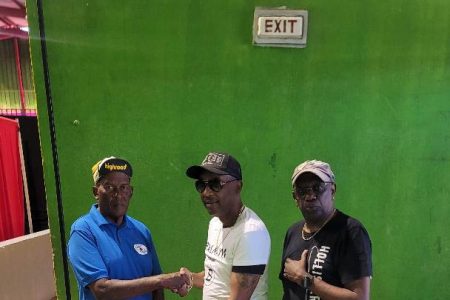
(215,184)
(318,189)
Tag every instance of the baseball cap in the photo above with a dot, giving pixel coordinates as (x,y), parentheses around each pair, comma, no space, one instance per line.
(111,164)
(319,168)
(218,163)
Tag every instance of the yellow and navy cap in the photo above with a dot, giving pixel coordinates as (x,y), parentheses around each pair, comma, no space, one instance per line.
(111,164)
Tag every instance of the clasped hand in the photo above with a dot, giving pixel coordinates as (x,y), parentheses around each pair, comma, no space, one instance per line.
(295,270)
(180,282)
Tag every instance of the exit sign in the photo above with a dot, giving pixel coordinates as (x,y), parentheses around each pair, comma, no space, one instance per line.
(280,27)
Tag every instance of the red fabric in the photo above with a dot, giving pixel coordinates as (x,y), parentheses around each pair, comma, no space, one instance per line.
(12,214)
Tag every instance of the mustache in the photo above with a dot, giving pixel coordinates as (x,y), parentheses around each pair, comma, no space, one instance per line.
(209,201)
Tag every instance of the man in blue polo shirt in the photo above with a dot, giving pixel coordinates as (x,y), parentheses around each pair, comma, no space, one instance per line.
(112,254)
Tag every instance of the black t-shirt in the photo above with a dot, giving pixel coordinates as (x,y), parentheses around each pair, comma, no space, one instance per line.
(339,253)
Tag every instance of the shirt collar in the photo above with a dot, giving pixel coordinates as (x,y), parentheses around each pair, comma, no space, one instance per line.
(102,220)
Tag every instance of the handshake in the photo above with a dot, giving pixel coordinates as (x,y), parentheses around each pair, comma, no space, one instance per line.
(178,282)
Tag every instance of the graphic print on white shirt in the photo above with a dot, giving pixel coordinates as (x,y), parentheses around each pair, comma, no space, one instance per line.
(246,243)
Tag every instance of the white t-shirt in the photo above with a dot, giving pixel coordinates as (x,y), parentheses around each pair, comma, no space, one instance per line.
(246,243)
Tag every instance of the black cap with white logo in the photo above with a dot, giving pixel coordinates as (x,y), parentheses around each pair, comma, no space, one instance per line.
(217,163)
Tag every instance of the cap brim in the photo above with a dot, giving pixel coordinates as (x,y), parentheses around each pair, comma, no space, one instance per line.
(324,177)
(196,171)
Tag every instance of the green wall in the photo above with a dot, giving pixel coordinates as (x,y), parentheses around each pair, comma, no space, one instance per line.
(163,82)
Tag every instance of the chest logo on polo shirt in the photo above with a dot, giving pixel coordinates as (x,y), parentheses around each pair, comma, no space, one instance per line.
(141,249)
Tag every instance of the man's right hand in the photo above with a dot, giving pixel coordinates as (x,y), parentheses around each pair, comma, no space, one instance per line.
(174,280)
(177,282)
(295,270)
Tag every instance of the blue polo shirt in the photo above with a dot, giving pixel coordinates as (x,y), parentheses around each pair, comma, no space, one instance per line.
(98,249)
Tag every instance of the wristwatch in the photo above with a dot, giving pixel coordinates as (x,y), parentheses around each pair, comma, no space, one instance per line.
(308,280)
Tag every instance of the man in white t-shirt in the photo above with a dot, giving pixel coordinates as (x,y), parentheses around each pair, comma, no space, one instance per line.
(238,246)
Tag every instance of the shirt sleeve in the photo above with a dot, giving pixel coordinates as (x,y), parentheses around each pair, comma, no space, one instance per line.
(253,249)
(357,257)
(283,256)
(85,258)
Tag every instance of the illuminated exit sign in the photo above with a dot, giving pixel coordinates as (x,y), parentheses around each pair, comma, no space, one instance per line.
(280,27)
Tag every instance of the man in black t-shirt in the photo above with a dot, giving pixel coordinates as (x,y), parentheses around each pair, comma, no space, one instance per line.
(327,255)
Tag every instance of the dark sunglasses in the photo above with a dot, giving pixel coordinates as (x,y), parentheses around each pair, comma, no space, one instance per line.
(215,184)
(318,189)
